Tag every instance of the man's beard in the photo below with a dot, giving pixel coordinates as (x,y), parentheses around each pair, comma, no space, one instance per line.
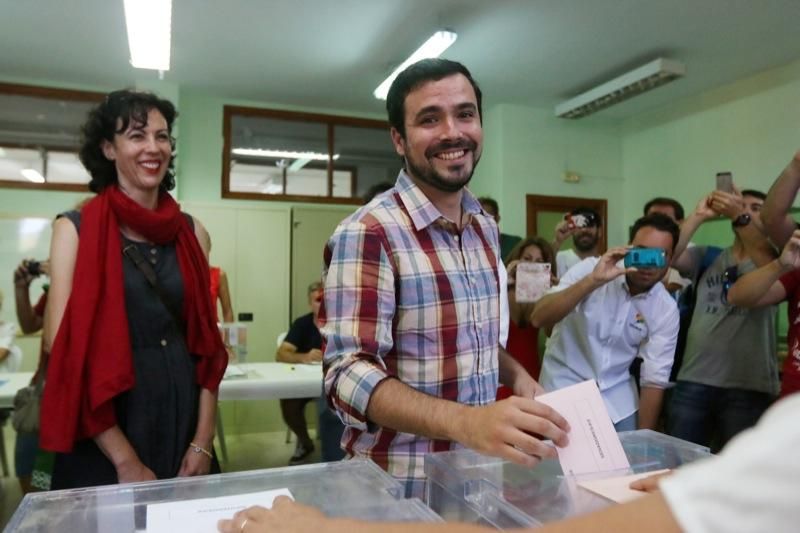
(428,174)
(581,241)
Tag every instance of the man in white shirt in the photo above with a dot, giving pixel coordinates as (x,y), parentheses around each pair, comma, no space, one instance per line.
(584,225)
(603,316)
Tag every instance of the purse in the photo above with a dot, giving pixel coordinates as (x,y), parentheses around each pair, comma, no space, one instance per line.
(25,418)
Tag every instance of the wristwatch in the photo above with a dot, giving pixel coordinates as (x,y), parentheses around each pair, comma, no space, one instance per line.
(741,220)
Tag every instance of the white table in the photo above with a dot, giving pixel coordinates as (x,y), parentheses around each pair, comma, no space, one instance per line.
(263,381)
(273,381)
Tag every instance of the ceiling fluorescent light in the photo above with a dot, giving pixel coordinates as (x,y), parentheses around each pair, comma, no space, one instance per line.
(32,175)
(433,47)
(259,152)
(633,83)
(149,23)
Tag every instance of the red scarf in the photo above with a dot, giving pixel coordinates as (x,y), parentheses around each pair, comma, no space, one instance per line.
(91,360)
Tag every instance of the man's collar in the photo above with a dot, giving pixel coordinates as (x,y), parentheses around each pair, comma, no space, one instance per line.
(421,210)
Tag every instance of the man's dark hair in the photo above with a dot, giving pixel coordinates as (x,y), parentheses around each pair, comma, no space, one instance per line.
(376,189)
(491,202)
(414,76)
(658,221)
(126,106)
(592,216)
(663,200)
(754,193)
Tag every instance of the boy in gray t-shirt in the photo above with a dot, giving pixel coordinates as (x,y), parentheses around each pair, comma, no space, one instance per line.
(729,375)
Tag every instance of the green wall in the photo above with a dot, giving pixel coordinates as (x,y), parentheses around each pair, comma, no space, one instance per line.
(528,151)
(749,127)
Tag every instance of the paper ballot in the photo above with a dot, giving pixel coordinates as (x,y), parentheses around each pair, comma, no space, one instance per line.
(617,489)
(201,515)
(593,444)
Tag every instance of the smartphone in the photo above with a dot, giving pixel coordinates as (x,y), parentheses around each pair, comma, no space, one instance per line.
(725,182)
(646,258)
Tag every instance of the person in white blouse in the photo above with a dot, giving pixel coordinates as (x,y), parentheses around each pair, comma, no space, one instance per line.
(603,316)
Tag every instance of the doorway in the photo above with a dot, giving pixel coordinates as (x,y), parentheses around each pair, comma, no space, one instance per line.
(544,212)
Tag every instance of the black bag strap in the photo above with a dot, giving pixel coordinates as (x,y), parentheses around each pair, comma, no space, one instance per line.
(132,252)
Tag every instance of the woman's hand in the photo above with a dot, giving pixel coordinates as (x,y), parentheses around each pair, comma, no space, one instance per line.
(194,464)
(511,269)
(790,257)
(134,471)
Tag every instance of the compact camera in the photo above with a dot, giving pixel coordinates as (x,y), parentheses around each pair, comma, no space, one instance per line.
(581,220)
(34,268)
(646,258)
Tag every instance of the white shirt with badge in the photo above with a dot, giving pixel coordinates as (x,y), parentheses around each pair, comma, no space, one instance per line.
(604,333)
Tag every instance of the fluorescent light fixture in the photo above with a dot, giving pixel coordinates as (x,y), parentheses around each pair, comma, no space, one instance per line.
(630,84)
(32,175)
(149,23)
(433,47)
(289,154)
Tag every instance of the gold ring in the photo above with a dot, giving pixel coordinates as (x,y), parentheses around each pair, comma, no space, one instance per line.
(241,528)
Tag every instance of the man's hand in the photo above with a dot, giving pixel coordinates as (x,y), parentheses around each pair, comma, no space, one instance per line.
(790,257)
(703,209)
(607,269)
(285,516)
(313,356)
(506,429)
(563,231)
(729,205)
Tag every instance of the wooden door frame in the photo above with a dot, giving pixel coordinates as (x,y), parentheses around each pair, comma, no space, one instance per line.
(534,203)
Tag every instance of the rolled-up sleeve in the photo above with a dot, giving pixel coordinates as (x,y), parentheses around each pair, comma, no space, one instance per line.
(658,353)
(359,309)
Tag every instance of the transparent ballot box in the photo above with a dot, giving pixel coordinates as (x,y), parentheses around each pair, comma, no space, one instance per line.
(464,485)
(234,336)
(356,488)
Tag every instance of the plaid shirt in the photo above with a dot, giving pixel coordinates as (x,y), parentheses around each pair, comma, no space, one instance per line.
(408,296)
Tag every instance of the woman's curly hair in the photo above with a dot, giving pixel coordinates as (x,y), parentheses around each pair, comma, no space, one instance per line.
(121,107)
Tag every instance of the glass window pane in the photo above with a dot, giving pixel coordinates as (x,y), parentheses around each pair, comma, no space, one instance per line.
(276,156)
(368,154)
(14,160)
(65,167)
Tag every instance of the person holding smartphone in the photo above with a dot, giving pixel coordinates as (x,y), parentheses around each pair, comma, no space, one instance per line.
(604,315)
(729,374)
(584,225)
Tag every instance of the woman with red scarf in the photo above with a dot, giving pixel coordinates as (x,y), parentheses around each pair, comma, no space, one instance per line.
(136,358)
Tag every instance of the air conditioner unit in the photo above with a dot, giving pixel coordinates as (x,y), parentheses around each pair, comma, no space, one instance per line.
(630,84)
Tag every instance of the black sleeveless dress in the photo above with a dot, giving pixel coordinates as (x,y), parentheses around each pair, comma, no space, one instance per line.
(159,414)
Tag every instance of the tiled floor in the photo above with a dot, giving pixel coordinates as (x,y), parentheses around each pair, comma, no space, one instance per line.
(245,452)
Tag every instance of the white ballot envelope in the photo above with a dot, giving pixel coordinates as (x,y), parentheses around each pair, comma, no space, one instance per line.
(593,444)
(202,515)
(617,489)
(532,281)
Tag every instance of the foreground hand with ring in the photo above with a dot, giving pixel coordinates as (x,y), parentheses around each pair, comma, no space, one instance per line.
(244,523)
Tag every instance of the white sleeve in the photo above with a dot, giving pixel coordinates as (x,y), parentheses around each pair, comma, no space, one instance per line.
(8,331)
(503,286)
(751,486)
(658,353)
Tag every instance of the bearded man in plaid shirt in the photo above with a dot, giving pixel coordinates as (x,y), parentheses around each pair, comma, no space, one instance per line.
(413,289)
